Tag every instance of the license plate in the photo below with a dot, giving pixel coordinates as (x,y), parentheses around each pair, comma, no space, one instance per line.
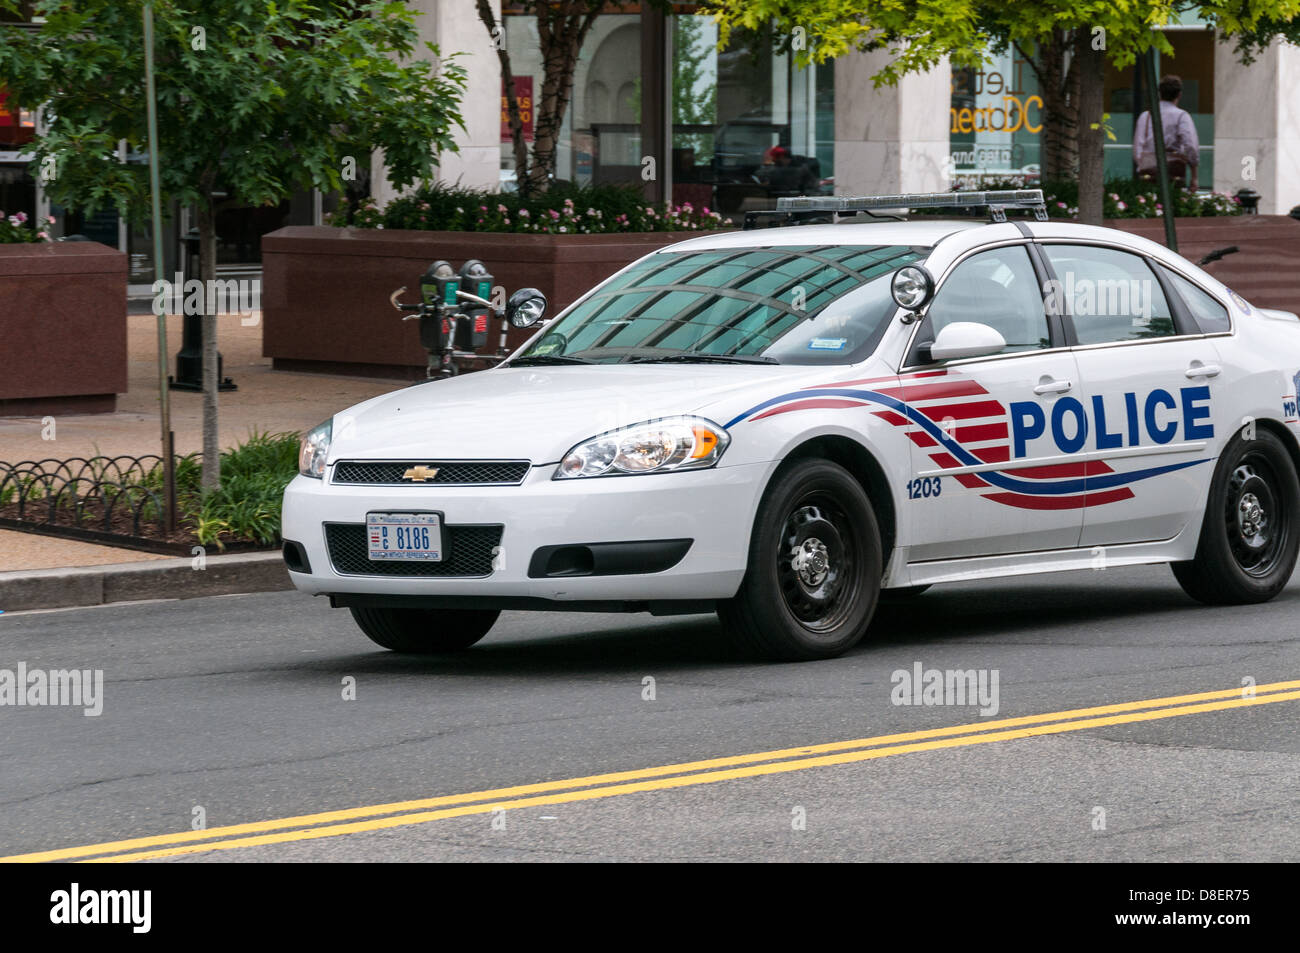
(415,537)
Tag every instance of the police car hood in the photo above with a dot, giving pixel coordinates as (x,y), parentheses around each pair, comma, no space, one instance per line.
(538,413)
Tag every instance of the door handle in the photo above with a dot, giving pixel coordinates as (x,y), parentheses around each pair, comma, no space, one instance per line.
(1203,370)
(1053,387)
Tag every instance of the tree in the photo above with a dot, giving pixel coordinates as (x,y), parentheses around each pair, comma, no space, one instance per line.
(562,28)
(1066,41)
(256,99)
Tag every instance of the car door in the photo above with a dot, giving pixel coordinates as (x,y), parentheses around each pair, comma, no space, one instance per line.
(986,477)
(1150,380)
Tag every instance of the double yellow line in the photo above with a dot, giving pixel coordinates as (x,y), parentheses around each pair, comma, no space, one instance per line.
(405,813)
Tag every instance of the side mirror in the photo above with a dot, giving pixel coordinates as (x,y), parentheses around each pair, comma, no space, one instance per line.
(526,307)
(966,339)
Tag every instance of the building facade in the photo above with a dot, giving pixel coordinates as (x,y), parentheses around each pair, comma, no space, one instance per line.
(656,104)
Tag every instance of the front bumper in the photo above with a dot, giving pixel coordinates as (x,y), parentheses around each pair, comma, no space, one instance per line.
(713,508)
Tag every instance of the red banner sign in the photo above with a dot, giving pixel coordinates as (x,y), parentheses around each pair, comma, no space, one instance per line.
(524,96)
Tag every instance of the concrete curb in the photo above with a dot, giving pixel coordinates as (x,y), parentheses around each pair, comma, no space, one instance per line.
(129,582)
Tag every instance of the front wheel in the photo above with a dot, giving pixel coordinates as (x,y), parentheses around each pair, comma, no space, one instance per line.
(1249,539)
(424,631)
(814,567)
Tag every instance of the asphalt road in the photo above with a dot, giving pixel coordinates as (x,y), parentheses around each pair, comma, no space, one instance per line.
(235,706)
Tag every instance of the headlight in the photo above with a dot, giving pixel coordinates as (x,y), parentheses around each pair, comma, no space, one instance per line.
(656,446)
(314,448)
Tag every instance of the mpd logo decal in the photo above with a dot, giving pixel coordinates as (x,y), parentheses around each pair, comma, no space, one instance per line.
(960,425)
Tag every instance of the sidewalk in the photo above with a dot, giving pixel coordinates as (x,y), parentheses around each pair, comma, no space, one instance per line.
(266,400)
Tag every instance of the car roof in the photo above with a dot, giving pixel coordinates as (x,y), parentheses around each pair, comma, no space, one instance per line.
(928,231)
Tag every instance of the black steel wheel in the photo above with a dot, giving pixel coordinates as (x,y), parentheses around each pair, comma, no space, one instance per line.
(814,567)
(1251,532)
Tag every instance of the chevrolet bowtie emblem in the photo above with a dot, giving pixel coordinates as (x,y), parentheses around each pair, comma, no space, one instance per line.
(421,473)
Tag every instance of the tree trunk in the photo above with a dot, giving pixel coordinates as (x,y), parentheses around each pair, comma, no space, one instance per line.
(207,224)
(560,38)
(519,146)
(1058,84)
(1092,175)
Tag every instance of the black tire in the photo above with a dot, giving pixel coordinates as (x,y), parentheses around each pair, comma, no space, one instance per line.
(425,631)
(814,567)
(904,594)
(1247,550)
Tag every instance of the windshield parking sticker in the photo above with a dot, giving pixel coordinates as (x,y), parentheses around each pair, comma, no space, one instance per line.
(827,344)
(980,431)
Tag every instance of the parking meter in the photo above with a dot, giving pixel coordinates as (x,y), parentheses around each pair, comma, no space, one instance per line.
(472,331)
(438,287)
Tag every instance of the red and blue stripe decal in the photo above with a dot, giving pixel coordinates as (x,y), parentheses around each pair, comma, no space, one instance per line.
(974,432)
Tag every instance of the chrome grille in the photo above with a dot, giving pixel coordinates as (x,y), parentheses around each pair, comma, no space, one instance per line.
(449,473)
(469,552)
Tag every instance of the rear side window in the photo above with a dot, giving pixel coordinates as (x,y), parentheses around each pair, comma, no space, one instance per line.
(1110,295)
(1211,317)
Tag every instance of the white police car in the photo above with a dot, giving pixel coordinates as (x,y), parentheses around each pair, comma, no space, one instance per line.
(780,423)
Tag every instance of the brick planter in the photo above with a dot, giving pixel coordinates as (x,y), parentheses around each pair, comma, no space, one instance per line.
(325,290)
(1266,271)
(62,328)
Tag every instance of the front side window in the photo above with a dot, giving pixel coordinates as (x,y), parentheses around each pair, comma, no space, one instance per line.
(1110,295)
(814,304)
(998,288)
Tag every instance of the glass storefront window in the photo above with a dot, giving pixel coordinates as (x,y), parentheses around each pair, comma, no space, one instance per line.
(996,114)
(995,119)
(748,125)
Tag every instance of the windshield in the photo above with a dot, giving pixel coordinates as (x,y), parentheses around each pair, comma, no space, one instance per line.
(814,304)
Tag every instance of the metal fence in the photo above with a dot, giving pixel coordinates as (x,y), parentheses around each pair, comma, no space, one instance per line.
(117,495)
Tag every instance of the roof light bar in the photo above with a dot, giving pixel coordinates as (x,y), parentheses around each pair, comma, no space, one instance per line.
(996,202)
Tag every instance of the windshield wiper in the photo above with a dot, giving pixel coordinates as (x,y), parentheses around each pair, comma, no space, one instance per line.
(704,359)
(540,360)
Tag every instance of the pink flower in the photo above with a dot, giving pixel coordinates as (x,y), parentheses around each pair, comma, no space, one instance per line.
(49,219)
(501,209)
(524,213)
(554,214)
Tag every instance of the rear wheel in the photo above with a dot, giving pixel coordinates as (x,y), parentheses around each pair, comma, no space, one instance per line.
(1249,539)
(424,631)
(814,567)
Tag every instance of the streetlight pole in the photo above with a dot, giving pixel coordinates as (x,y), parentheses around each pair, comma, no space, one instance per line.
(168,440)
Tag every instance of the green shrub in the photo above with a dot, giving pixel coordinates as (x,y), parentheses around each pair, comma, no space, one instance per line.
(246,506)
(1128,198)
(15,230)
(571,210)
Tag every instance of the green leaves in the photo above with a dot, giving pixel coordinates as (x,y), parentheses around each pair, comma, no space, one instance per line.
(274,98)
(918,34)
